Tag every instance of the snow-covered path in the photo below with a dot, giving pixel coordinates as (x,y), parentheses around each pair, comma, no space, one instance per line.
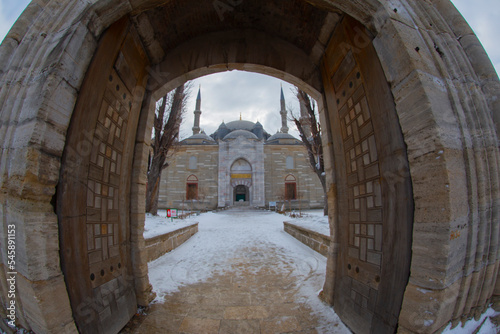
(226,235)
(247,250)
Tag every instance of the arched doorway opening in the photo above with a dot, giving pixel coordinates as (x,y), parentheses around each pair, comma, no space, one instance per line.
(384,91)
(290,188)
(192,188)
(241,194)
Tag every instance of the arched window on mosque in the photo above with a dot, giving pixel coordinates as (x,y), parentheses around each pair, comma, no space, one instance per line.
(290,187)
(289,162)
(193,162)
(192,188)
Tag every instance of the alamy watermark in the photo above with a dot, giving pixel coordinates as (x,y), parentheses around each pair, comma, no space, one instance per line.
(11,275)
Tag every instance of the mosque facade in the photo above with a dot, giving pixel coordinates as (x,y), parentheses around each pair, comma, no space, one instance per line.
(240,164)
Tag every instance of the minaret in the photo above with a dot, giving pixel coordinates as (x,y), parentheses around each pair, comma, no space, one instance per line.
(197,114)
(284,126)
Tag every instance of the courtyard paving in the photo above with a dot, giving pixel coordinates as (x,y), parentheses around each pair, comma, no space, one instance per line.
(240,274)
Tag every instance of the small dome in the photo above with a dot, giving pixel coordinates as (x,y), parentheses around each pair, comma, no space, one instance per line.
(283,139)
(199,138)
(258,130)
(221,132)
(281,136)
(240,133)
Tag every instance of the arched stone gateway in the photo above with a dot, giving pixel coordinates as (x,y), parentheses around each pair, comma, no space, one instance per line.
(410,110)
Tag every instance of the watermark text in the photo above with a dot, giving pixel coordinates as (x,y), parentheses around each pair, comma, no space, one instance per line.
(11,275)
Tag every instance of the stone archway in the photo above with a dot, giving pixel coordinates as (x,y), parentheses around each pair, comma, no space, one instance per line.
(447,125)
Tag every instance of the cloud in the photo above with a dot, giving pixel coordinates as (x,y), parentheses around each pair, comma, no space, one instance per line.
(5,23)
(484,18)
(227,95)
(9,13)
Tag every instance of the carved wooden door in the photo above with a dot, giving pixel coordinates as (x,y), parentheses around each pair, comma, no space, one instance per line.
(375,206)
(93,198)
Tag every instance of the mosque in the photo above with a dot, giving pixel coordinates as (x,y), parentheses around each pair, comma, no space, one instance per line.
(240,164)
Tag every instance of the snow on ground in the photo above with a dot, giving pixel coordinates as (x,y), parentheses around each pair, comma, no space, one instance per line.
(481,326)
(220,237)
(313,220)
(158,225)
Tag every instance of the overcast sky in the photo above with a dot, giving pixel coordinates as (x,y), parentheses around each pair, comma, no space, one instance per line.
(255,96)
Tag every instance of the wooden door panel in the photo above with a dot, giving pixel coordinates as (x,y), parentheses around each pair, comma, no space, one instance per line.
(374,199)
(93,194)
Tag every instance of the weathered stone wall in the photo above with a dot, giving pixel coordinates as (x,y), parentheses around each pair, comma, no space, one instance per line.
(309,190)
(162,244)
(173,181)
(445,92)
(446,115)
(314,240)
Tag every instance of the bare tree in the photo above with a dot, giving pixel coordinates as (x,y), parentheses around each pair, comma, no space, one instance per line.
(310,133)
(164,139)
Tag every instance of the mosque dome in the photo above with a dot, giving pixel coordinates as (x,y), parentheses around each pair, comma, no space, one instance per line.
(240,125)
(255,129)
(241,133)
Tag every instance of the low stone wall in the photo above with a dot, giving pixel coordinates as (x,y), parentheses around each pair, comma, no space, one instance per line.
(161,244)
(314,240)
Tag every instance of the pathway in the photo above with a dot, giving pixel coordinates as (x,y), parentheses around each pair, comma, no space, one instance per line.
(240,274)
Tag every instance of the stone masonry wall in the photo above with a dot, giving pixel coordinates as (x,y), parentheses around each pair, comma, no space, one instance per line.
(162,244)
(314,240)
(309,190)
(173,181)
